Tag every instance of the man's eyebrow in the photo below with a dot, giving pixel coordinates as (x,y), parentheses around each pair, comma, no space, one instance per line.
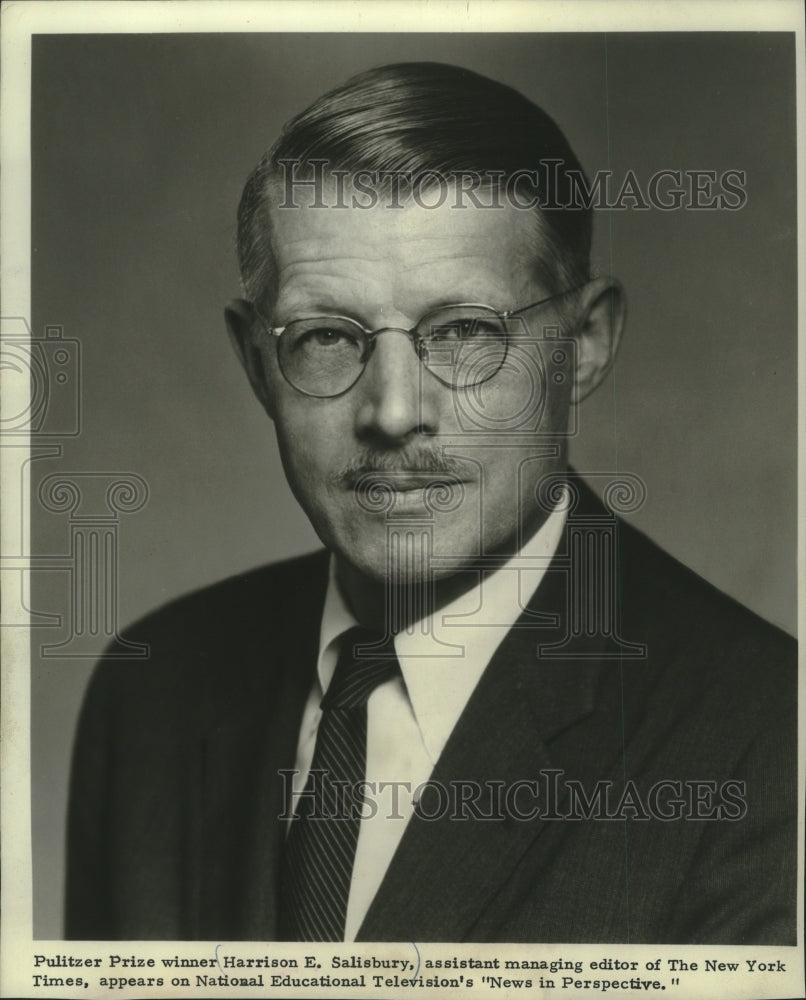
(324,311)
(322,307)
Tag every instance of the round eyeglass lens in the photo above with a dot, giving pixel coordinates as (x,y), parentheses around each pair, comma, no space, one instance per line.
(463,345)
(322,357)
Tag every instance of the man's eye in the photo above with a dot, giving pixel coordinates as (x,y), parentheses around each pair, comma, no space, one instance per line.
(325,336)
(459,329)
(328,336)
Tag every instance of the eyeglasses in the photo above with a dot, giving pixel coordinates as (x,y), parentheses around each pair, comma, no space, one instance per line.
(462,345)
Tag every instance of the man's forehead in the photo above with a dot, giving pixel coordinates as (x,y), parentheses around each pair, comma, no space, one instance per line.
(409,233)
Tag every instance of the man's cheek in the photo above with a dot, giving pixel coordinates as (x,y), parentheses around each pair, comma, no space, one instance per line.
(301,439)
(299,467)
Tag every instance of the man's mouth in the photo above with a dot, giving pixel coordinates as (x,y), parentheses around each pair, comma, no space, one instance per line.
(403,489)
(403,480)
(383,481)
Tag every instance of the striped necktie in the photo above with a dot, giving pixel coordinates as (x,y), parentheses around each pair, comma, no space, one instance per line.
(320,847)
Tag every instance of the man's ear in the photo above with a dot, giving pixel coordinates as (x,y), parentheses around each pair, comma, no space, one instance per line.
(598,334)
(242,326)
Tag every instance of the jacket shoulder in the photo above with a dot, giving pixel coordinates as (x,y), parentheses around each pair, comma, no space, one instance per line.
(709,657)
(258,598)
(222,643)
(660,587)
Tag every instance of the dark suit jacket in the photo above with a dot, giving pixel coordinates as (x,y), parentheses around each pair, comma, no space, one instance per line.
(173,828)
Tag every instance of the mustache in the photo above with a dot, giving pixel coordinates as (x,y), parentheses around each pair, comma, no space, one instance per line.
(420,461)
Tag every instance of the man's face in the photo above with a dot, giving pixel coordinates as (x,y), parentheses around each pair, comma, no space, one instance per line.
(386,268)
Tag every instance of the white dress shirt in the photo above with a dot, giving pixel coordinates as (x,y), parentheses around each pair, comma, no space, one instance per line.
(411,717)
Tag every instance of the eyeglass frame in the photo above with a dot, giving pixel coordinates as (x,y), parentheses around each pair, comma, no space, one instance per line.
(372,335)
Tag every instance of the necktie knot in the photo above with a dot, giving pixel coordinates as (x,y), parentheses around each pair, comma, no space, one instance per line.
(366,660)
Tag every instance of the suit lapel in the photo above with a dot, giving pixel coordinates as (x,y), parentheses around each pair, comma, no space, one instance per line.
(446,871)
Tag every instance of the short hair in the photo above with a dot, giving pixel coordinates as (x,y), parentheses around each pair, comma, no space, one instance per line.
(418,118)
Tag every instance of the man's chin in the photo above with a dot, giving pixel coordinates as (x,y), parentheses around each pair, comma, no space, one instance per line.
(402,550)
(405,562)
(413,566)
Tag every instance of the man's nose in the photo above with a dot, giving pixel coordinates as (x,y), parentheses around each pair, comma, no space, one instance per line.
(395,399)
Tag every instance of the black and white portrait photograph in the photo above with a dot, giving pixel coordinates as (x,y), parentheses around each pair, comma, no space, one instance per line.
(400,466)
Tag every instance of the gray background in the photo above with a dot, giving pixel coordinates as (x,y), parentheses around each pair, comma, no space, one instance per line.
(140,147)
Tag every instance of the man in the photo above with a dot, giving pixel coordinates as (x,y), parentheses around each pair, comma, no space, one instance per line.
(495,712)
